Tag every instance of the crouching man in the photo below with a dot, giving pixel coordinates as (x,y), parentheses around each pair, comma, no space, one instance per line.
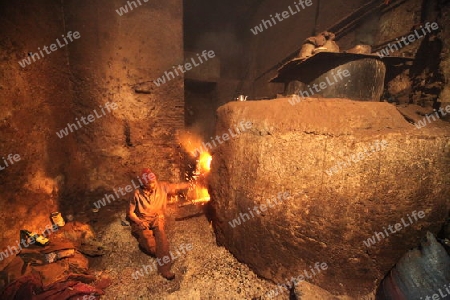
(146,213)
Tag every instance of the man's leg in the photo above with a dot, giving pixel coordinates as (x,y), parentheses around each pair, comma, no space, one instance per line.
(145,238)
(162,249)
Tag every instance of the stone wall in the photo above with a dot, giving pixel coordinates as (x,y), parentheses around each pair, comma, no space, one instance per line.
(351,169)
(36,101)
(115,59)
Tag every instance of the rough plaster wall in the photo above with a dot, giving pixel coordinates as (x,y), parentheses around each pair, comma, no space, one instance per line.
(35,100)
(113,54)
(397,21)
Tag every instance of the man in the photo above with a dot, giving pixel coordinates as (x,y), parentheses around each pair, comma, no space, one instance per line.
(146,213)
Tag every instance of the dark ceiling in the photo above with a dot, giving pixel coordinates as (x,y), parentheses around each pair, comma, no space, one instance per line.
(202,16)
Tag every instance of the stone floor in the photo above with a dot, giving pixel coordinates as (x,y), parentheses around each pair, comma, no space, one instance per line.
(205,272)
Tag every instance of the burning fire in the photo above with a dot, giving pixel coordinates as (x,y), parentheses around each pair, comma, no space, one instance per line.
(202,170)
(204,162)
(200,192)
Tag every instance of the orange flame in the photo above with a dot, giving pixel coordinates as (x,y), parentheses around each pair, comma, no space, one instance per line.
(202,169)
(204,162)
(192,144)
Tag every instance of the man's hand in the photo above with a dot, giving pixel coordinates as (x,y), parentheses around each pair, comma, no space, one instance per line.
(143,225)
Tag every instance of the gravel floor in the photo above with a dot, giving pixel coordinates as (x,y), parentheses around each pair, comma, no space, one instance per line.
(206,272)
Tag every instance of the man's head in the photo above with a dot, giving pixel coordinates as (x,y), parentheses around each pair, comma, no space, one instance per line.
(148,179)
